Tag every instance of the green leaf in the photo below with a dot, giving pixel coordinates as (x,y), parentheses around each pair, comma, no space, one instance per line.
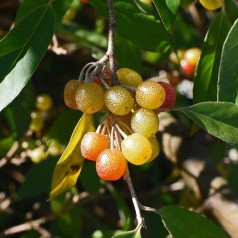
(69,166)
(230,8)
(37,180)
(59,6)
(167,10)
(217,118)
(132,59)
(31,53)
(128,234)
(182,223)
(228,75)
(148,33)
(205,86)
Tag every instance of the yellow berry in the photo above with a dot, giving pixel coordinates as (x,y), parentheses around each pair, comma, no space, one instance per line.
(129,77)
(145,122)
(155,148)
(211,4)
(192,55)
(150,95)
(44,102)
(37,121)
(136,148)
(118,100)
(89,97)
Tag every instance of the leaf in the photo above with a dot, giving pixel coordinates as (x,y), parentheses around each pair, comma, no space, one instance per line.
(128,234)
(217,118)
(27,59)
(231,10)
(70,163)
(228,75)
(182,223)
(148,33)
(205,86)
(59,6)
(167,10)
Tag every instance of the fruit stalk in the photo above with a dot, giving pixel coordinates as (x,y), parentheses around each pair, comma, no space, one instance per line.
(111,40)
(135,201)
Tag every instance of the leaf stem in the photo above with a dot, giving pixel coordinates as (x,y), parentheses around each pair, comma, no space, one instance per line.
(111,41)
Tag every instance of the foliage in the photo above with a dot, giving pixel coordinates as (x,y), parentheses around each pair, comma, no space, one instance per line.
(32,62)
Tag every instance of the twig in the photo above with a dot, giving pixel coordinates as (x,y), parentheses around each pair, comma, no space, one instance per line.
(111,39)
(136,204)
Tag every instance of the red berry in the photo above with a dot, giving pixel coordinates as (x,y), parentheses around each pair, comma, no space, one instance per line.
(187,68)
(170,97)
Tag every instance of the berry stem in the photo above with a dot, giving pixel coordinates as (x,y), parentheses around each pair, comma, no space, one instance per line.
(135,201)
(111,41)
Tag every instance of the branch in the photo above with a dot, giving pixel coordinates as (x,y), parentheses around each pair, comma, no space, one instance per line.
(111,40)
(136,204)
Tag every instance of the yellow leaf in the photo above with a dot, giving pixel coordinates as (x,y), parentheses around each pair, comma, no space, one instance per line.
(68,168)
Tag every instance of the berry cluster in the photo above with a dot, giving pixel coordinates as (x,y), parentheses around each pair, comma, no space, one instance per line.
(127,134)
(187,59)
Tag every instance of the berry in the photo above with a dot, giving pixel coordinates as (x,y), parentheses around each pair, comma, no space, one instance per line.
(69,93)
(136,148)
(38,154)
(89,97)
(175,58)
(149,2)
(93,144)
(129,77)
(43,102)
(111,165)
(211,4)
(145,122)
(118,100)
(150,95)
(192,55)
(155,148)
(37,121)
(170,98)
(187,68)
(55,148)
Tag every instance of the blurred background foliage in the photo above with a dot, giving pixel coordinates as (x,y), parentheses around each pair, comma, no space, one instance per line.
(28,154)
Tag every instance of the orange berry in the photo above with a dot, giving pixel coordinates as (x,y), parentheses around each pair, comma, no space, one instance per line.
(93,144)
(111,165)
(69,93)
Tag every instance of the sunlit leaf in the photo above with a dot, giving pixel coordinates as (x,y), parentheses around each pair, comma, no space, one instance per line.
(68,168)
(182,223)
(206,77)
(25,54)
(228,75)
(167,10)
(217,118)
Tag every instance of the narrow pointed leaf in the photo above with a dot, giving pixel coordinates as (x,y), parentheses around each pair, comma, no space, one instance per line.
(68,168)
(231,9)
(217,118)
(182,223)
(25,58)
(206,77)
(167,10)
(228,75)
